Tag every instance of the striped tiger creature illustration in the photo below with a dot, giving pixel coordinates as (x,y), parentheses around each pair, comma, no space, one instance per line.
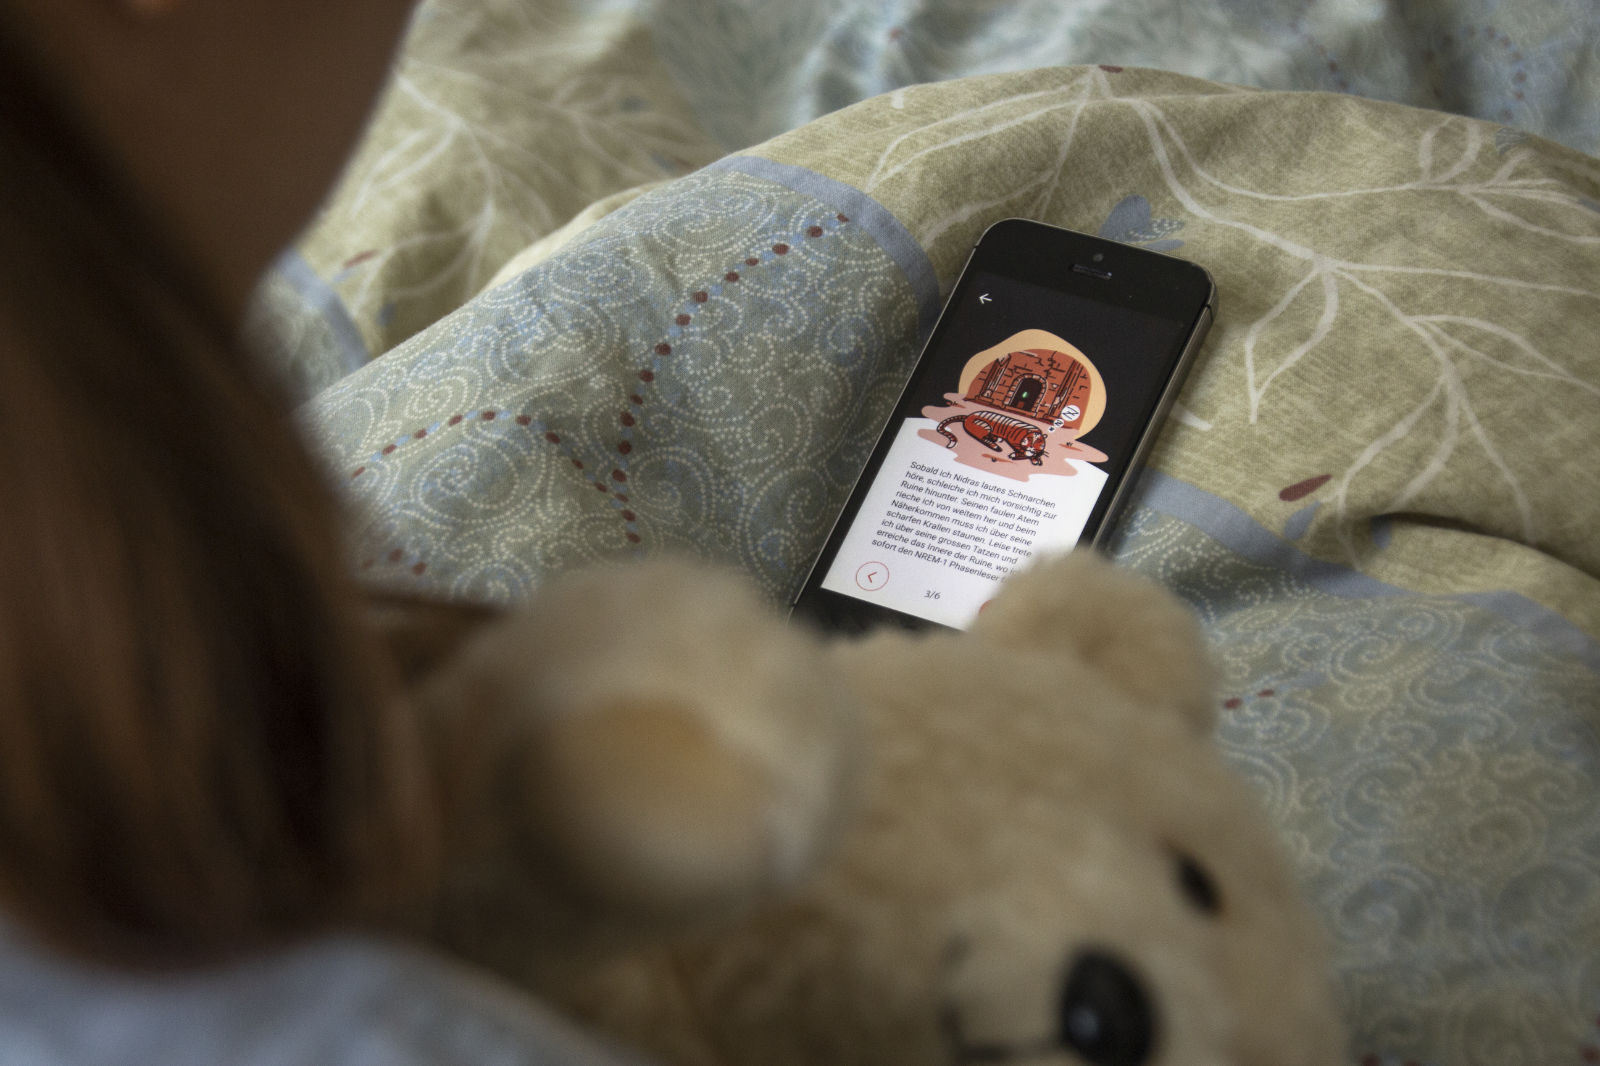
(991,429)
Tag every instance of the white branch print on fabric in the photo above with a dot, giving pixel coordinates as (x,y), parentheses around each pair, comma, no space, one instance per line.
(1430,415)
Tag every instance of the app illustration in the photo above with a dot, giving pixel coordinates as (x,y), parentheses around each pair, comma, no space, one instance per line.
(951,510)
(1020,407)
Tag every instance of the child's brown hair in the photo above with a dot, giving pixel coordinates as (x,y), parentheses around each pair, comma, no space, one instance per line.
(201,745)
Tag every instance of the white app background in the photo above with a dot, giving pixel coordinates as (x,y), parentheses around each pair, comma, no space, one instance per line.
(935,536)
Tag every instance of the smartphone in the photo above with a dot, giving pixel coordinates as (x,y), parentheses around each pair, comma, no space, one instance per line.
(1020,429)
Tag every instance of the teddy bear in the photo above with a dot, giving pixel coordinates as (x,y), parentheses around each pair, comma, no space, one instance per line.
(726,839)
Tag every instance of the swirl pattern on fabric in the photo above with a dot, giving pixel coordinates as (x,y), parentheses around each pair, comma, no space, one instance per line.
(702,373)
(1421,757)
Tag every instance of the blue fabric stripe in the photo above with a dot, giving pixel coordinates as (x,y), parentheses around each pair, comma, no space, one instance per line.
(877,220)
(1236,530)
(321,297)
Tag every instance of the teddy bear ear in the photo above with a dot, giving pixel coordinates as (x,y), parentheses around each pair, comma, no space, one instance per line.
(644,747)
(1138,636)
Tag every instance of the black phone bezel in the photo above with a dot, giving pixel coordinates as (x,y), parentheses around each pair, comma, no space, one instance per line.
(1095,269)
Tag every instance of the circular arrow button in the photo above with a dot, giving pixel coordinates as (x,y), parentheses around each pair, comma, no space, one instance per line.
(872,576)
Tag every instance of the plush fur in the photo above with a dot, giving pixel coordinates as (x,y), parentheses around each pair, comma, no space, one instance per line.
(1014,844)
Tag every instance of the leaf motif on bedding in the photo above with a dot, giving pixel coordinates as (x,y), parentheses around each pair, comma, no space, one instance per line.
(1462,358)
(1301,489)
(1507,138)
(1131,222)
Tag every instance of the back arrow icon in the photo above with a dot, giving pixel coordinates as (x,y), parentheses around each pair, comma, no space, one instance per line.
(984,298)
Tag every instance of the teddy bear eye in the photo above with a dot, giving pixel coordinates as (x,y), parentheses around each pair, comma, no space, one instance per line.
(1105,1015)
(1198,886)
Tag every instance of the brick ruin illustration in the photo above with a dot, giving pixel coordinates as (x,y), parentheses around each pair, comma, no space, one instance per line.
(1037,383)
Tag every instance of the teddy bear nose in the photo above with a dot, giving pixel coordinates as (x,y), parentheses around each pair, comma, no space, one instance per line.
(1106,1017)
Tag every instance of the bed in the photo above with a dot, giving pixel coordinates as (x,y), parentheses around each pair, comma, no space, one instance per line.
(621,278)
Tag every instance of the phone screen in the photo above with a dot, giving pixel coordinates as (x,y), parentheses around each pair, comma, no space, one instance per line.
(1027,409)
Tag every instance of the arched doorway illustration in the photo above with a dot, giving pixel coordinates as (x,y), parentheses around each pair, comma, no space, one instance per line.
(1026,398)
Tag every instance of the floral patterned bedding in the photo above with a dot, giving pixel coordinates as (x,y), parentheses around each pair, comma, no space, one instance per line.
(715,232)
